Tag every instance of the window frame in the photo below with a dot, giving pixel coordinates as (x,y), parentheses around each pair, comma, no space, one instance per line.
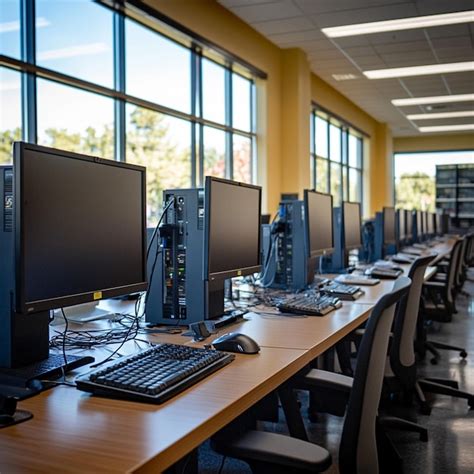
(159,24)
(345,131)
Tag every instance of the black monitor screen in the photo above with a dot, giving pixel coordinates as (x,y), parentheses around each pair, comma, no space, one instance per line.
(352,225)
(419,223)
(80,228)
(431,218)
(232,228)
(318,213)
(401,224)
(389,225)
(439,229)
(408,224)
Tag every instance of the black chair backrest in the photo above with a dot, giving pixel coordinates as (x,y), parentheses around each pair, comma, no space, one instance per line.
(402,350)
(453,269)
(358,448)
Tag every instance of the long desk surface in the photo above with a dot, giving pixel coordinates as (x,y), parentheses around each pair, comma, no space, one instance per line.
(75,432)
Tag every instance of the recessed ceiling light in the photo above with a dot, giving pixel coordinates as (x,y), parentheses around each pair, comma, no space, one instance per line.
(438,99)
(344,77)
(441,115)
(420,70)
(448,128)
(399,24)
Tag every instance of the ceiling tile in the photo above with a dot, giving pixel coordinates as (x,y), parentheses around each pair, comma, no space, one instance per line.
(389,48)
(432,7)
(300,36)
(253,13)
(365,15)
(288,25)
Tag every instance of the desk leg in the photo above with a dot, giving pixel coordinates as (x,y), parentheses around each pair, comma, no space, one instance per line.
(292,412)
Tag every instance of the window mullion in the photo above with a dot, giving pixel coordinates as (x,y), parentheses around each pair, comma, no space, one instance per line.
(119,85)
(229,158)
(28,52)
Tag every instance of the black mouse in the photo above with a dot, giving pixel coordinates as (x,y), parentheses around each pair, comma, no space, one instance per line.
(236,342)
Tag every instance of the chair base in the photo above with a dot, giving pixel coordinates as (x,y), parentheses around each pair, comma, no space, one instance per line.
(445,387)
(396,423)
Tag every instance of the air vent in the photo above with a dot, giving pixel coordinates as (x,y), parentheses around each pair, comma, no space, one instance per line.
(8,200)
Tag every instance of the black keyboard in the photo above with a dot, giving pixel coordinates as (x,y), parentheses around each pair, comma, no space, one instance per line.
(383,273)
(310,305)
(154,375)
(342,291)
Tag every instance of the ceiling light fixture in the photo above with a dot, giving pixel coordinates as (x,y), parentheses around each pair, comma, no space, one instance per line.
(438,99)
(420,70)
(344,77)
(448,128)
(399,24)
(441,115)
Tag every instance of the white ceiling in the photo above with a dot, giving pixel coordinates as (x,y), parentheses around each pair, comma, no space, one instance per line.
(298,23)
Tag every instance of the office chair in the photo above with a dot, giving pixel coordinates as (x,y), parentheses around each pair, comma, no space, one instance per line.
(361,436)
(438,305)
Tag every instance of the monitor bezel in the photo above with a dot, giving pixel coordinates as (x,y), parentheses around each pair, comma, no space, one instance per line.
(320,252)
(351,247)
(23,306)
(243,271)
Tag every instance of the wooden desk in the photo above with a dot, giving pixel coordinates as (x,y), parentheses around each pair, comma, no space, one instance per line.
(74,432)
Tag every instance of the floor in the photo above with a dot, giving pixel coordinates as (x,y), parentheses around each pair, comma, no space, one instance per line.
(450,448)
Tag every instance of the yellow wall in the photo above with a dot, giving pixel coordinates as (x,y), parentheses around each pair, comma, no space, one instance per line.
(434,143)
(285,103)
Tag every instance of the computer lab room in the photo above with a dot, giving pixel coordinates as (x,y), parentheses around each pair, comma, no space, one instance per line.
(237,236)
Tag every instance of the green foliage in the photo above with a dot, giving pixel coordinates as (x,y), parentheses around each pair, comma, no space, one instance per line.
(416,191)
(7,137)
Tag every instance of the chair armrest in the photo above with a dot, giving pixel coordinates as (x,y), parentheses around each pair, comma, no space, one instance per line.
(434,284)
(326,379)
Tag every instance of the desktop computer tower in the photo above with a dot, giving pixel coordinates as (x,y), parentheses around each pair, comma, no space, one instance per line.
(24,338)
(287,265)
(177,291)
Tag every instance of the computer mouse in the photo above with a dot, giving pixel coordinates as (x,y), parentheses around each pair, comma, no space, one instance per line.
(236,342)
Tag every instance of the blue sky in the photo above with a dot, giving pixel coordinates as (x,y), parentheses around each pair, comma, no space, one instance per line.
(75,37)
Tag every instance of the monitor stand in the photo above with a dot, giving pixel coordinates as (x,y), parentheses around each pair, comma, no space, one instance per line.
(24,355)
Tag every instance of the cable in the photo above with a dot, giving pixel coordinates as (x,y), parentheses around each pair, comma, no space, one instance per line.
(63,369)
(156,229)
(222,464)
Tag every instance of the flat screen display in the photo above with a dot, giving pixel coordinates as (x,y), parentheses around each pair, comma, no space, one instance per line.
(401,224)
(389,225)
(80,228)
(409,224)
(352,225)
(233,227)
(318,213)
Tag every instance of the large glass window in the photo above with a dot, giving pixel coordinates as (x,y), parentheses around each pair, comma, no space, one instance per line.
(213,94)
(163,144)
(128,88)
(76,40)
(336,158)
(10,27)
(81,131)
(157,69)
(10,112)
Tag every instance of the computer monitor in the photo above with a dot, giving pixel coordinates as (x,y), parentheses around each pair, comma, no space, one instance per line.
(231,235)
(319,218)
(419,225)
(351,219)
(79,233)
(439,223)
(389,236)
(431,223)
(408,225)
(425,223)
(401,227)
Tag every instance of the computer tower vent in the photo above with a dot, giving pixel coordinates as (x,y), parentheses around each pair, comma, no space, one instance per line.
(8,200)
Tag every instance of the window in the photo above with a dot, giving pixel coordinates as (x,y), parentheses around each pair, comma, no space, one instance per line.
(10,28)
(64,44)
(161,143)
(336,158)
(159,73)
(125,86)
(415,178)
(10,112)
(81,131)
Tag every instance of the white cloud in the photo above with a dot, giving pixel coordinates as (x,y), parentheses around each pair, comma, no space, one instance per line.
(73,51)
(9,26)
